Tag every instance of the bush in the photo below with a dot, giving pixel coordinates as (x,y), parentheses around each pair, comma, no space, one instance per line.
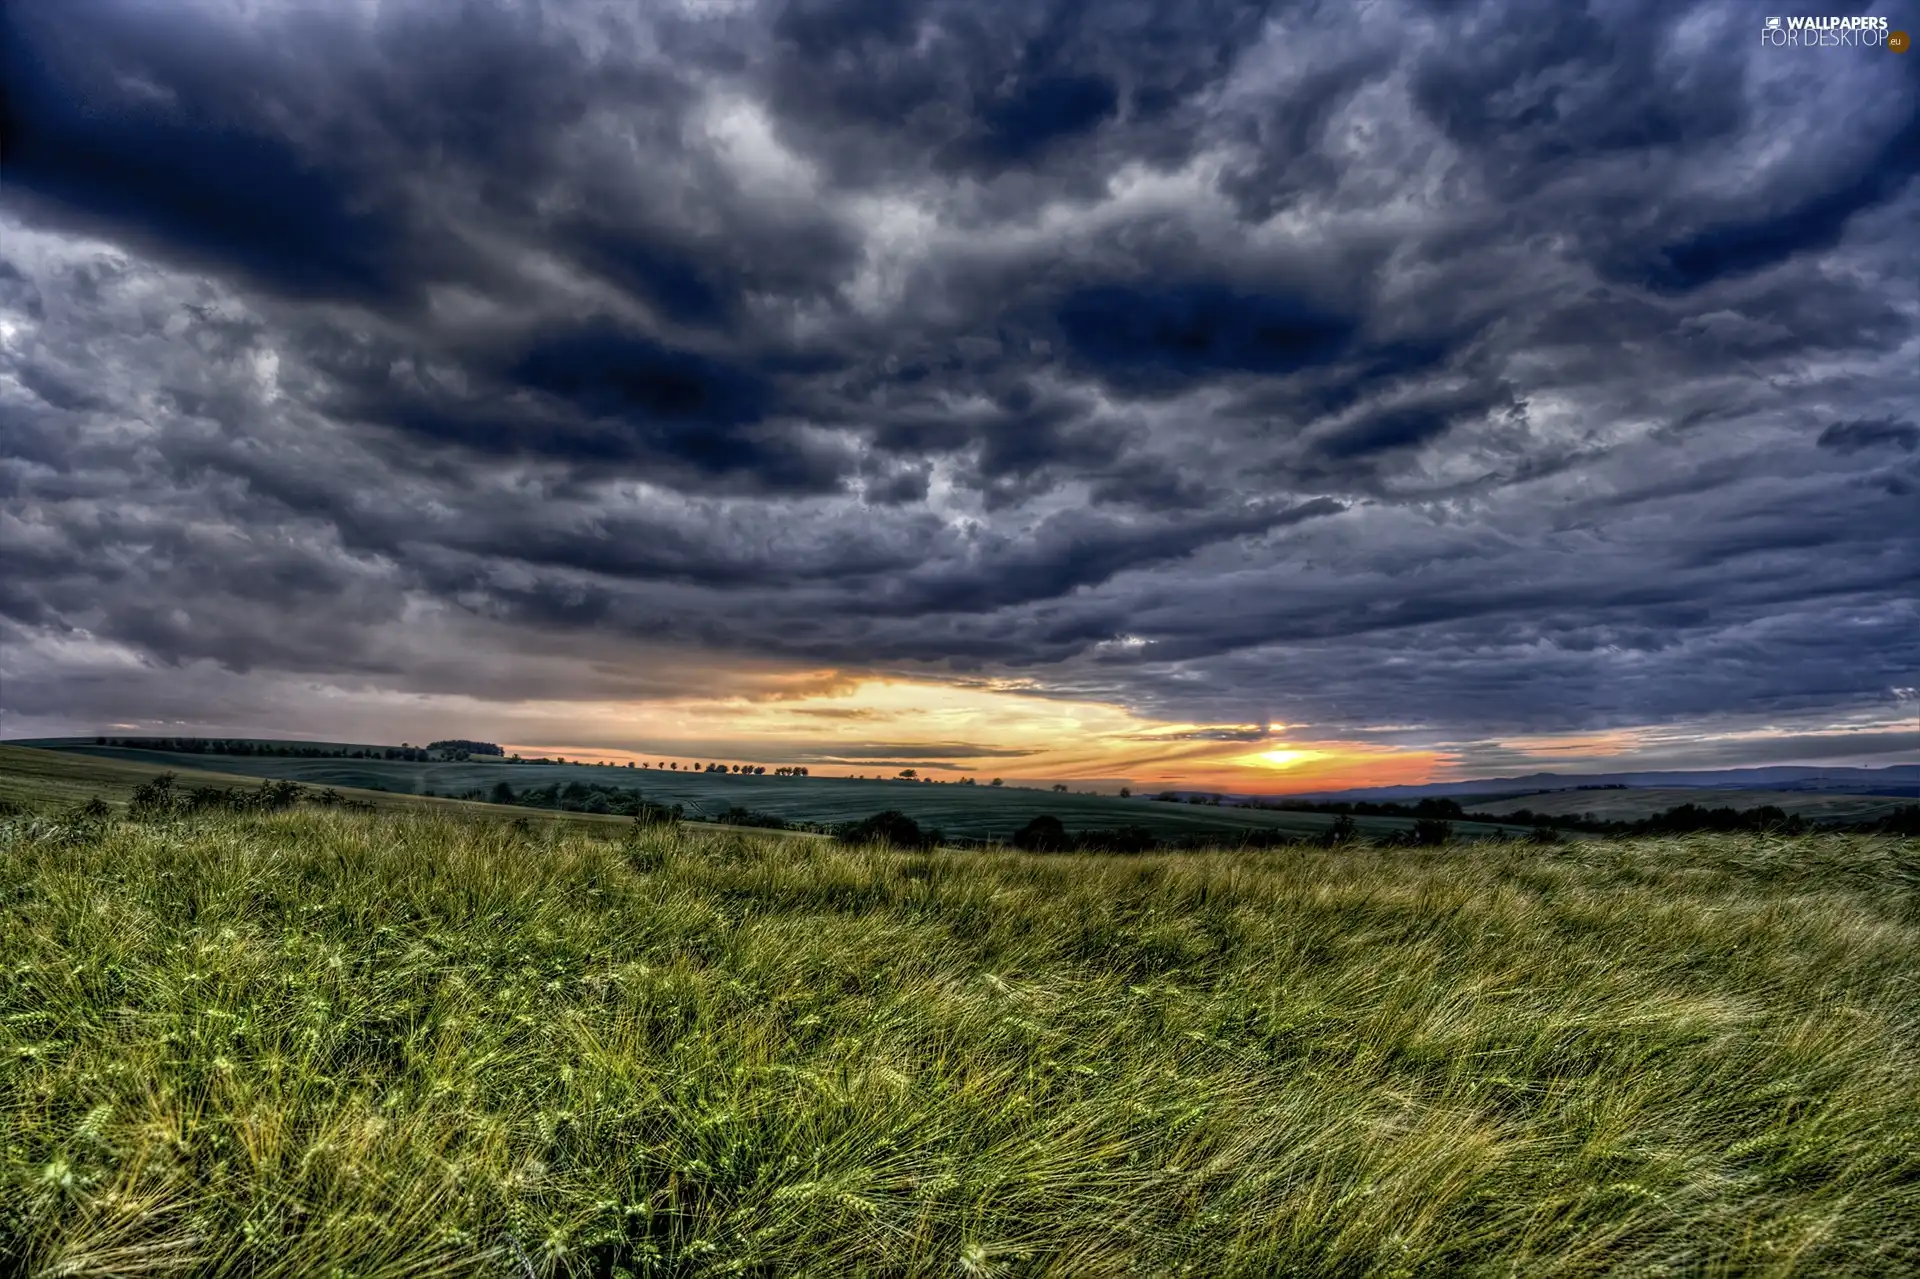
(1123,839)
(94,810)
(737,816)
(647,813)
(891,827)
(1044,834)
(156,798)
(1904,820)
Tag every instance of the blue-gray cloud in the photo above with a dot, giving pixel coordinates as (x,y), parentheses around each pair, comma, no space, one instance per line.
(1487,368)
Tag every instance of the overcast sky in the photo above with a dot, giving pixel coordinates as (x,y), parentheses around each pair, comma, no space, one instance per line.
(1261,394)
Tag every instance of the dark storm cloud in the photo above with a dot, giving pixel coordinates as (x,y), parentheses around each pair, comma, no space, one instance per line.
(1806,222)
(1477,368)
(1409,425)
(982,89)
(1164,337)
(1867,433)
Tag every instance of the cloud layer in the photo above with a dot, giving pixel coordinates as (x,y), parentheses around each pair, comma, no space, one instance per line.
(1483,370)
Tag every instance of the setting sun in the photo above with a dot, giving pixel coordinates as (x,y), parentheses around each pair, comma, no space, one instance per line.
(1289,758)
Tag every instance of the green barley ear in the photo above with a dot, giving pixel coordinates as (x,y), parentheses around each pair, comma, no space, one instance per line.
(92,1129)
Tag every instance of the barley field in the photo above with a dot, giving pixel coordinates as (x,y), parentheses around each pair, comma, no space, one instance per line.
(412,1044)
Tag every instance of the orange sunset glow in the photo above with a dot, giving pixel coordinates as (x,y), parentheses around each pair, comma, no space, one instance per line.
(951,731)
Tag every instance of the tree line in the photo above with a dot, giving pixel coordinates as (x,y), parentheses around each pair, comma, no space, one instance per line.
(287,750)
(582,797)
(447,750)
(1048,834)
(1682,819)
(1687,819)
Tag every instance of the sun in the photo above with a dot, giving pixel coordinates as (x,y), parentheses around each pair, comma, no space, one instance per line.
(1287,758)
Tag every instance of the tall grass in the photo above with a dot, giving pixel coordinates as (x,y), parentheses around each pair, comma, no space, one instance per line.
(327,1044)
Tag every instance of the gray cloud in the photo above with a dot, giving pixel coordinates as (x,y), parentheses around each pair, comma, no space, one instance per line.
(1486,368)
(1867,433)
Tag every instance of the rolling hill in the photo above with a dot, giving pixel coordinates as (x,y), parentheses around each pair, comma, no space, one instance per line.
(1894,780)
(39,778)
(1636,803)
(970,812)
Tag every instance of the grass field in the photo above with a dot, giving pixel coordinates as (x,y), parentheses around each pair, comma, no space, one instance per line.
(412,1044)
(53,780)
(1645,801)
(976,812)
(56,780)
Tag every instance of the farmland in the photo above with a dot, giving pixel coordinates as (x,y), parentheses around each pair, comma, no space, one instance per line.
(413,1043)
(57,781)
(1634,803)
(974,812)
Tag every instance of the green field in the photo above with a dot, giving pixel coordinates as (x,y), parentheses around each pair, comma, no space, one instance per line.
(415,1043)
(53,780)
(973,812)
(1644,801)
(59,780)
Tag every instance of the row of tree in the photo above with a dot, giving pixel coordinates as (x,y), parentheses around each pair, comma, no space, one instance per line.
(1687,819)
(1682,819)
(284,750)
(1431,807)
(1047,834)
(583,797)
(913,775)
(452,749)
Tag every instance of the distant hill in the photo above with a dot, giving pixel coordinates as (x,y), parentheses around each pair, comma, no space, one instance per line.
(1896,780)
(1637,803)
(971,812)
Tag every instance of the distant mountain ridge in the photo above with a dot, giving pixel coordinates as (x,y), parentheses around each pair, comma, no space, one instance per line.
(1895,779)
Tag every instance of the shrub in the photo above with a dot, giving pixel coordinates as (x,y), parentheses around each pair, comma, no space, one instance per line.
(737,816)
(647,813)
(94,810)
(1904,820)
(156,798)
(1123,839)
(891,827)
(1044,834)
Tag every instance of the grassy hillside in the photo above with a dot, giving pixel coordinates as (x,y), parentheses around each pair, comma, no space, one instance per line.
(52,780)
(407,1045)
(1641,802)
(49,780)
(977,812)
